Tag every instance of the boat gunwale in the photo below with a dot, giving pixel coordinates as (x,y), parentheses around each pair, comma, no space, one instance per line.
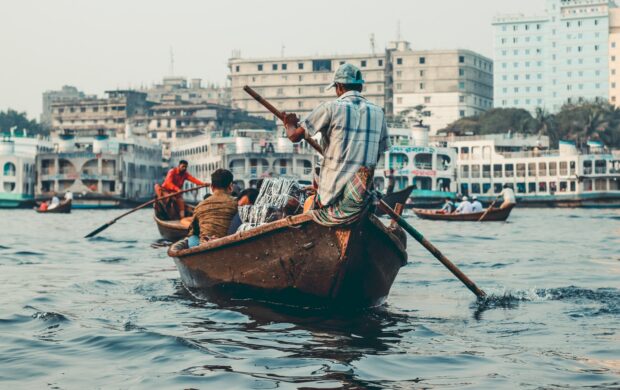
(290,221)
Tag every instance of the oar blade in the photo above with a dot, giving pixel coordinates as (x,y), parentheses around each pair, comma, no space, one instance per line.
(98,230)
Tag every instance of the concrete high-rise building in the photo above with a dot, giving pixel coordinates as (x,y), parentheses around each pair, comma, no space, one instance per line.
(614,56)
(66,93)
(449,83)
(298,84)
(551,59)
(174,88)
(444,85)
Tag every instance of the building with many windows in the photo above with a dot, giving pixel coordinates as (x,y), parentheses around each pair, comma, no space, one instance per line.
(449,83)
(548,60)
(614,56)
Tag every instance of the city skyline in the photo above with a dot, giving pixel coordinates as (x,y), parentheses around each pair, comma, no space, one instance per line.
(105,49)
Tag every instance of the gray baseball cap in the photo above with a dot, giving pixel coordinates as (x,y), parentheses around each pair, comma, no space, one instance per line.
(347,74)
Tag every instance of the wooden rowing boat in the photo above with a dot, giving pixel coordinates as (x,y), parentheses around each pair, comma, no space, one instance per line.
(394,198)
(297,261)
(172,230)
(63,207)
(495,214)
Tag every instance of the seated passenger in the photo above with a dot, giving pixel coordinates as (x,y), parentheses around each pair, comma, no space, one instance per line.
(43,206)
(247,197)
(448,207)
(476,206)
(212,216)
(464,206)
(54,203)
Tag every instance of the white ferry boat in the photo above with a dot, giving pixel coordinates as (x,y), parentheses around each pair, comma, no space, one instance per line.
(540,177)
(17,161)
(250,154)
(100,171)
(412,161)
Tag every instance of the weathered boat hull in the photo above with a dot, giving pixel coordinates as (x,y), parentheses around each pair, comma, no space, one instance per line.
(297,261)
(394,198)
(496,214)
(171,230)
(63,208)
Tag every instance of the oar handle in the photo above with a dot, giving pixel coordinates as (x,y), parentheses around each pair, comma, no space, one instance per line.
(434,251)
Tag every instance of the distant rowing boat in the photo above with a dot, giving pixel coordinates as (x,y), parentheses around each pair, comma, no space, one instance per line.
(297,261)
(63,207)
(495,214)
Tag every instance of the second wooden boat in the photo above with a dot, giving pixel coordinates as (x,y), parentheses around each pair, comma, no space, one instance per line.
(297,261)
(495,214)
(63,208)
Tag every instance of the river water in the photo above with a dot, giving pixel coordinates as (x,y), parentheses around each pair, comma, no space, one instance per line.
(110,312)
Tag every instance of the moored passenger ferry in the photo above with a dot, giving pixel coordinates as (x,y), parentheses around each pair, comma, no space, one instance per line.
(540,177)
(413,161)
(18,152)
(100,171)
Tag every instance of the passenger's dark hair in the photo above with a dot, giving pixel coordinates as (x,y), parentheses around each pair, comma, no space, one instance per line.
(183,162)
(353,87)
(251,193)
(221,178)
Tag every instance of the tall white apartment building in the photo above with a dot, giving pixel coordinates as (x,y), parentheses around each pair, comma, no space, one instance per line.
(614,56)
(551,59)
(449,83)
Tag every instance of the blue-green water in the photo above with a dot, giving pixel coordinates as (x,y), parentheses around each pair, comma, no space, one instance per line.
(110,312)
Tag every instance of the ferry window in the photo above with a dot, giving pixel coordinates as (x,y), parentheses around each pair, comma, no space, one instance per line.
(563,186)
(553,168)
(587,167)
(542,186)
(563,170)
(497,170)
(464,188)
(509,169)
(600,166)
(443,162)
(497,187)
(422,183)
(9,169)
(423,161)
(553,187)
(475,171)
(464,152)
(443,184)
(521,188)
(464,171)
(587,185)
(398,160)
(614,184)
(486,187)
(486,171)
(542,169)
(531,188)
(521,170)
(600,184)
(8,186)
(475,188)
(531,169)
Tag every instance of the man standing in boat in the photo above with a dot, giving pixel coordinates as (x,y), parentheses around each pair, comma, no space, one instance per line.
(354,135)
(509,197)
(174,183)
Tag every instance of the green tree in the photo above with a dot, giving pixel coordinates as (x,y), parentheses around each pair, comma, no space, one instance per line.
(12,119)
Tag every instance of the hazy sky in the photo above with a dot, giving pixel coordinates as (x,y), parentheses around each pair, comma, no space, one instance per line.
(107,44)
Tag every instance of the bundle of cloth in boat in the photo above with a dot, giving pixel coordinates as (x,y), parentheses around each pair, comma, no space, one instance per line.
(278,198)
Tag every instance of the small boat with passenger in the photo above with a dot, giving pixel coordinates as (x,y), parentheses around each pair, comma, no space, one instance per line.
(64,207)
(495,214)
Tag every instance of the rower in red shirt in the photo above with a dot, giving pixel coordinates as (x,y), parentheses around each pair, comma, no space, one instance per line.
(174,183)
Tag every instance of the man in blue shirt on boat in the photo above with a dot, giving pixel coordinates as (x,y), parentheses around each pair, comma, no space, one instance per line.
(354,135)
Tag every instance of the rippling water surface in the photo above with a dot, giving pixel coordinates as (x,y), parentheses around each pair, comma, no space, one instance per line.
(110,312)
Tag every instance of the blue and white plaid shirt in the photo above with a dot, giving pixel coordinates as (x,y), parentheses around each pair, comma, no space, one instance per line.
(354,135)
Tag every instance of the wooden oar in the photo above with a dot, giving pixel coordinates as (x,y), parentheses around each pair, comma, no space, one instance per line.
(488,209)
(433,249)
(388,210)
(143,205)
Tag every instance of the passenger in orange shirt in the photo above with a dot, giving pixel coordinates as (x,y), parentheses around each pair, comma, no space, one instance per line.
(174,183)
